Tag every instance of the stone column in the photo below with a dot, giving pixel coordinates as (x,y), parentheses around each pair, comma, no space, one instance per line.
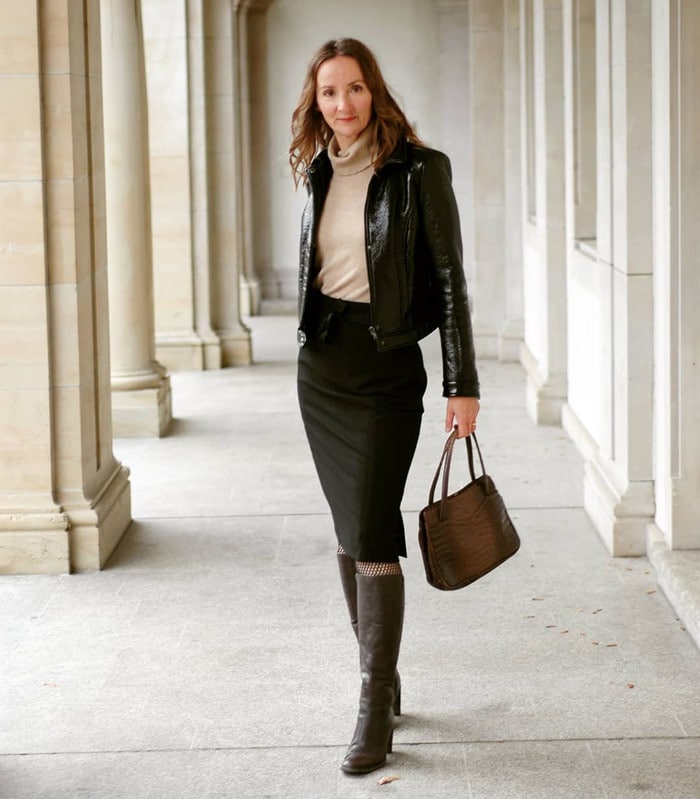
(199,187)
(249,281)
(676,171)
(544,353)
(226,251)
(260,283)
(456,115)
(488,254)
(588,278)
(141,402)
(64,498)
(618,489)
(480,101)
(510,336)
(175,74)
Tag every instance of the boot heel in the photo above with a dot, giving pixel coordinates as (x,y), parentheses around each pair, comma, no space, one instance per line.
(390,743)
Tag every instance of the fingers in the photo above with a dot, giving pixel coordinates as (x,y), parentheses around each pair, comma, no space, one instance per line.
(465,429)
(449,419)
(461,414)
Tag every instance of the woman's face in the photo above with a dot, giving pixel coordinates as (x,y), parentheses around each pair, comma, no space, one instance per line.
(343,98)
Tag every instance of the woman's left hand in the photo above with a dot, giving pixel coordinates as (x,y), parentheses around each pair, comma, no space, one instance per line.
(462,412)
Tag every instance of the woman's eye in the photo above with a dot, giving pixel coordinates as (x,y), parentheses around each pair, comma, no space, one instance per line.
(326,93)
(357,88)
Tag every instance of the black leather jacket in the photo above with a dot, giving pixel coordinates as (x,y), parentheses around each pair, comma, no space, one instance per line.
(414,258)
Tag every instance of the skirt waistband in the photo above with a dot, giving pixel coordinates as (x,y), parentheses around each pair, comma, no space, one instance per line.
(321,305)
(328,312)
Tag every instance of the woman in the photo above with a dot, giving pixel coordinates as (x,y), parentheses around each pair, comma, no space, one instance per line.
(380,268)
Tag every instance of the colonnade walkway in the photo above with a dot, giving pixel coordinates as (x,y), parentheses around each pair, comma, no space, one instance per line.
(213,658)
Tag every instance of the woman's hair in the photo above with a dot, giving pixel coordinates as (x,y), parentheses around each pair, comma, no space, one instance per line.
(310,132)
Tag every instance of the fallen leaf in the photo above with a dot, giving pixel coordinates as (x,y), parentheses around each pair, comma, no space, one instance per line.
(387,780)
(595,643)
(549,626)
(683,628)
(538,599)
(651,591)
(630,685)
(582,634)
(597,610)
(563,632)
(610,644)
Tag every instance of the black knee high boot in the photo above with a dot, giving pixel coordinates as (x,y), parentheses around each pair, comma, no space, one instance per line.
(346,566)
(380,603)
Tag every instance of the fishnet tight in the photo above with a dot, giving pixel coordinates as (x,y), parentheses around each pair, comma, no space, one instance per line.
(371,569)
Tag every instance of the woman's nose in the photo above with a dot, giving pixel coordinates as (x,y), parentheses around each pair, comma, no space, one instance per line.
(344,101)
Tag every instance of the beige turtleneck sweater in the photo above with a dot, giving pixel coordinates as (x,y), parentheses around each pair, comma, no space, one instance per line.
(341,234)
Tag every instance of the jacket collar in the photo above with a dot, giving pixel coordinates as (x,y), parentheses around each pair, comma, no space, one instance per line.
(399,154)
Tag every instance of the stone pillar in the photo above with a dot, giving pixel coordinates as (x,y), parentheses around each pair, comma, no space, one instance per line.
(199,187)
(225,244)
(260,281)
(141,401)
(486,82)
(510,336)
(544,353)
(455,115)
(618,489)
(64,499)
(585,413)
(480,115)
(676,37)
(174,72)
(250,283)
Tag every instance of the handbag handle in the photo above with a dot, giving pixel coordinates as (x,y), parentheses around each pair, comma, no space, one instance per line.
(447,459)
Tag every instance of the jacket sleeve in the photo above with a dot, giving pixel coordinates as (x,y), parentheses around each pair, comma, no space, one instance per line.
(444,242)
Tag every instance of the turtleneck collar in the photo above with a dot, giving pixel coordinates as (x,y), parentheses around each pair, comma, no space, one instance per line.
(356,158)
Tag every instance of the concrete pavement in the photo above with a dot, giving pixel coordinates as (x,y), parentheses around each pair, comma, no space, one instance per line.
(213,658)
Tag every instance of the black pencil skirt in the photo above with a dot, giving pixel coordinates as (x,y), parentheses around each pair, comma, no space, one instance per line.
(362,412)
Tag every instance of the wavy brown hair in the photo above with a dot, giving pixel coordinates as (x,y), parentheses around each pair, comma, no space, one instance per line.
(311,133)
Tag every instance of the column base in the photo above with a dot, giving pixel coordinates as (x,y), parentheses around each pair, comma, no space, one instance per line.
(97,529)
(545,397)
(619,511)
(676,572)
(142,413)
(510,340)
(77,536)
(620,517)
(211,354)
(188,352)
(250,295)
(34,543)
(236,347)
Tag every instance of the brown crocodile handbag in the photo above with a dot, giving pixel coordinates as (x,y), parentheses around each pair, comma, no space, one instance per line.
(464,535)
